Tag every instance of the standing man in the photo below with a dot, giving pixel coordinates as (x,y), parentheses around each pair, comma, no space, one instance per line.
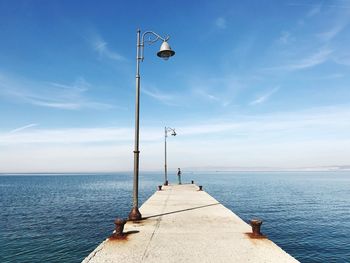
(179,175)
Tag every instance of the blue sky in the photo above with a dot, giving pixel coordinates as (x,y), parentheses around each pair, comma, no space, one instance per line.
(252,84)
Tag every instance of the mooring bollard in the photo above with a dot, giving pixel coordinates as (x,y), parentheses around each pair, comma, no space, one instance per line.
(200,187)
(256,224)
(159,188)
(192,182)
(119,227)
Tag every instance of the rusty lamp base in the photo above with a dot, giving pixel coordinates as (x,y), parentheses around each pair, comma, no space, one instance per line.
(135,214)
(166,182)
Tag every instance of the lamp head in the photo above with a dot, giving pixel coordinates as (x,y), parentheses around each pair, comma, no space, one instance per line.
(165,51)
(173,133)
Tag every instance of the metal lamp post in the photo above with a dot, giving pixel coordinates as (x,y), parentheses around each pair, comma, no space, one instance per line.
(165,52)
(166,130)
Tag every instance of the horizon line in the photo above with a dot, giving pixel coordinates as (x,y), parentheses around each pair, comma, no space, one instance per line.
(184,171)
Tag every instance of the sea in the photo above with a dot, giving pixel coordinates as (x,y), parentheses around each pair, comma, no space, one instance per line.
(63,217)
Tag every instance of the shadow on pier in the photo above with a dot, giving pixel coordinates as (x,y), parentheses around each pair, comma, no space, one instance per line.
(180,211)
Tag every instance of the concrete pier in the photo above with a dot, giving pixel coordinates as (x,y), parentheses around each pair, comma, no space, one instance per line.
(182,224)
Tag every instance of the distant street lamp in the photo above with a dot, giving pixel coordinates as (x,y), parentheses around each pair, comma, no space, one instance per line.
(165,52)
(166,130)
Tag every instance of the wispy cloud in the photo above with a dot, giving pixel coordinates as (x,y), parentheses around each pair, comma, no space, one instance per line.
(337,6)
(101,47)
(220,22)
(313,60)
(285,37)
(311,137)
(315,10)
(264,97)
(338,18)
(327,118)
(23,128)
(310,61)
(303,123)
(331,76)
(68,135)
(343,59)
(219,89)
(154,93)
(49,94)
(332,32)
(206,94)
(337,15)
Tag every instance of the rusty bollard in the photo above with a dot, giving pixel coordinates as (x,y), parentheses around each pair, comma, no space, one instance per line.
(200,187)
(256,224)
(192,182)
(159,188)
(119,227)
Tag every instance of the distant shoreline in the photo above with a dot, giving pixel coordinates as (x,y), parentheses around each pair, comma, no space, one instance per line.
(147,172)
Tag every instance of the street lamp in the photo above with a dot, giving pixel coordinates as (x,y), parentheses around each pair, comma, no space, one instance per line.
(166,130)
(165,52)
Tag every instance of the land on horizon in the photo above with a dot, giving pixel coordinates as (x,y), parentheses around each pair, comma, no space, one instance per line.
(340,168)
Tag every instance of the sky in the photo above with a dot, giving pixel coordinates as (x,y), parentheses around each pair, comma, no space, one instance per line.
(253,85)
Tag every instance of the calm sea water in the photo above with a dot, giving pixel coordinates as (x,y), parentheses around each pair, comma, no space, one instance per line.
(62,218)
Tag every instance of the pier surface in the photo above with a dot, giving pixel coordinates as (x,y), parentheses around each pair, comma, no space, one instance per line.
(182,224)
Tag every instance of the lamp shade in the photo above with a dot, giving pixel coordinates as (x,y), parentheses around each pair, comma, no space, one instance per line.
(165,51)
